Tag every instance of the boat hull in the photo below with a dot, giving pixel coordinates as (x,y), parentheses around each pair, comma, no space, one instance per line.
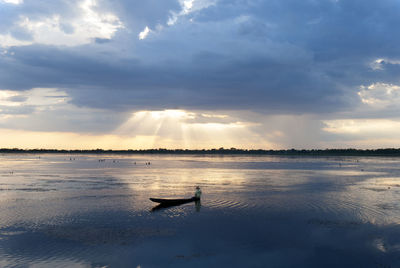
(172,202)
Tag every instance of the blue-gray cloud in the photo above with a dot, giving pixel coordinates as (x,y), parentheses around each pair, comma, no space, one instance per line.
(283,56)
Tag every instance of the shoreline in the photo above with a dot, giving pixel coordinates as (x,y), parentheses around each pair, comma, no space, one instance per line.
(389,152)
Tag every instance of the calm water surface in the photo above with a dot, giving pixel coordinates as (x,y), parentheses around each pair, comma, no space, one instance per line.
(94,211)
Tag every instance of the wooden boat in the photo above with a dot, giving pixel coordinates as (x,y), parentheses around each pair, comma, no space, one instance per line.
(174,202)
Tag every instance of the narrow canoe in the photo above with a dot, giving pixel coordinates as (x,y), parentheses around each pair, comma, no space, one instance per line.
(174,201)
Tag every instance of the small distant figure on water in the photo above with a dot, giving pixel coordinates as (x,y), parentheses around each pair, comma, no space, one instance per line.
(197,193)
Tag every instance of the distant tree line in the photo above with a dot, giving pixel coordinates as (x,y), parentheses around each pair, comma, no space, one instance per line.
(222,151)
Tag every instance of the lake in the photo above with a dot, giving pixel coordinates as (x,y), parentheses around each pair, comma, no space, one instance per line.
(256,211)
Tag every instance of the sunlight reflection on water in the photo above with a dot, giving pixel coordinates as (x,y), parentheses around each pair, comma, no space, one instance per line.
(93,210)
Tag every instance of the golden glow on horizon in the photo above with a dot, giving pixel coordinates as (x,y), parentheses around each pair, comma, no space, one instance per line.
(67,140)
(180,129)
(175,114)
(363,133)
(145,130)
(362,126)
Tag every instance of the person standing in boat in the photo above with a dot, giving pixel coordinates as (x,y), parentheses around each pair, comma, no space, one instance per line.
(197,193)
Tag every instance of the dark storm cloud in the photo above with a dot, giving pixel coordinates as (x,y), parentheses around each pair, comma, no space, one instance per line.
(270,56)
(240,83)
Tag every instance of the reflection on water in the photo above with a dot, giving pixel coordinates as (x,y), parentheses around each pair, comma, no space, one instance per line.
(94,211)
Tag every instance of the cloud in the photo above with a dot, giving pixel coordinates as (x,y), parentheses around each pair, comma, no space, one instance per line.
(364,127)
(188,7)
(218,55)
(14,2)
(362,133)
(143,34)
(313,61)
(180,129)
(25,103)
(49,109)
(379,64)
(380,95)
(62,29)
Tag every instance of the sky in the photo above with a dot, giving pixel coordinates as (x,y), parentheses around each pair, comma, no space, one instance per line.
(268,74)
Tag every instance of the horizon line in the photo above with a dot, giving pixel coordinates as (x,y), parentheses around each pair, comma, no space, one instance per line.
(221,150)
